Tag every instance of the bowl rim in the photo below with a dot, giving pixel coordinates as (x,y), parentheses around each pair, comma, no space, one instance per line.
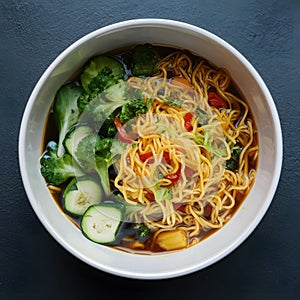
(151,22)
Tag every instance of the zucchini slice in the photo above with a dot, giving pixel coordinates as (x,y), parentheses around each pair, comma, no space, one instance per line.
(74,137)
(80,194)
(101,222)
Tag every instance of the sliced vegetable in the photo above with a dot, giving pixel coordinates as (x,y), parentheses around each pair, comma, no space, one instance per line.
(216,101)
(101,222)
(81,194)
(172,240)
(181,81)
(145,156)
(188,121)
(122,134)
(74,136)
(174,177)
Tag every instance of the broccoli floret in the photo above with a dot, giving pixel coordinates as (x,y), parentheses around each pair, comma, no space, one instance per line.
(100,73)
(118,100)
(105,103)
(144,60)
(103,80)
(66,111)
(56,170)
(96,154)
(135,106)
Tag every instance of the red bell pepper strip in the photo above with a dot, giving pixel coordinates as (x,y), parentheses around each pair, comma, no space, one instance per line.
(122,134)
(187,121)
(174,177)
(145,156)
(216,101)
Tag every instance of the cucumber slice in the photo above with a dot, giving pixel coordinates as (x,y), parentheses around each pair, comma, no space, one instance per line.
(80,194)
(100,223)
(74,137)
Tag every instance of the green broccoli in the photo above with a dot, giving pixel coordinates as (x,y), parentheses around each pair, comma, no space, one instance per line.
(135,106)
(118,100)
(101,73)
(66,111)
(105,103)
(96,154)
(56,170)
(144,60)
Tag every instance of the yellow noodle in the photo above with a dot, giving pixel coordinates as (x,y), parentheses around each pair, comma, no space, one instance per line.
(162,129)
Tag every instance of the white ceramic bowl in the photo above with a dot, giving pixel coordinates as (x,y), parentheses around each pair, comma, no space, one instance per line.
(169,33)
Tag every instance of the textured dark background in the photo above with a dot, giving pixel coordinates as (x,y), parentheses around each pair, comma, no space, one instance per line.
(33,265)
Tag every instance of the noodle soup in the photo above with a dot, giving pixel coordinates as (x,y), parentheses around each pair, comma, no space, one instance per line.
(150,149)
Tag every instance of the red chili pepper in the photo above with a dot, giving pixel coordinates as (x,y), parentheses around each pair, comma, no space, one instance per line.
(216,101)
(188,172)
(187,121)
(122,134)
(145,156)
(174,177)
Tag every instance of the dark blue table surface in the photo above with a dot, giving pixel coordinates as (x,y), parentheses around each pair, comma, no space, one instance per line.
(33,265)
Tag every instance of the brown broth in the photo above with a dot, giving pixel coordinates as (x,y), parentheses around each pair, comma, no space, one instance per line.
(149,247)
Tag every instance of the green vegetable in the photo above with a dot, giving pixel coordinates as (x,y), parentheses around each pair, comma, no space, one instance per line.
(201,116)
(80,194)
(142,229)
(101,223)
(104,104)
(233,163)
(74,136)
(118,100)
(134,107)
(206,141)
(101,73)
(161,193)
(96,154)
(56,170)
(66,111)
(144,60)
